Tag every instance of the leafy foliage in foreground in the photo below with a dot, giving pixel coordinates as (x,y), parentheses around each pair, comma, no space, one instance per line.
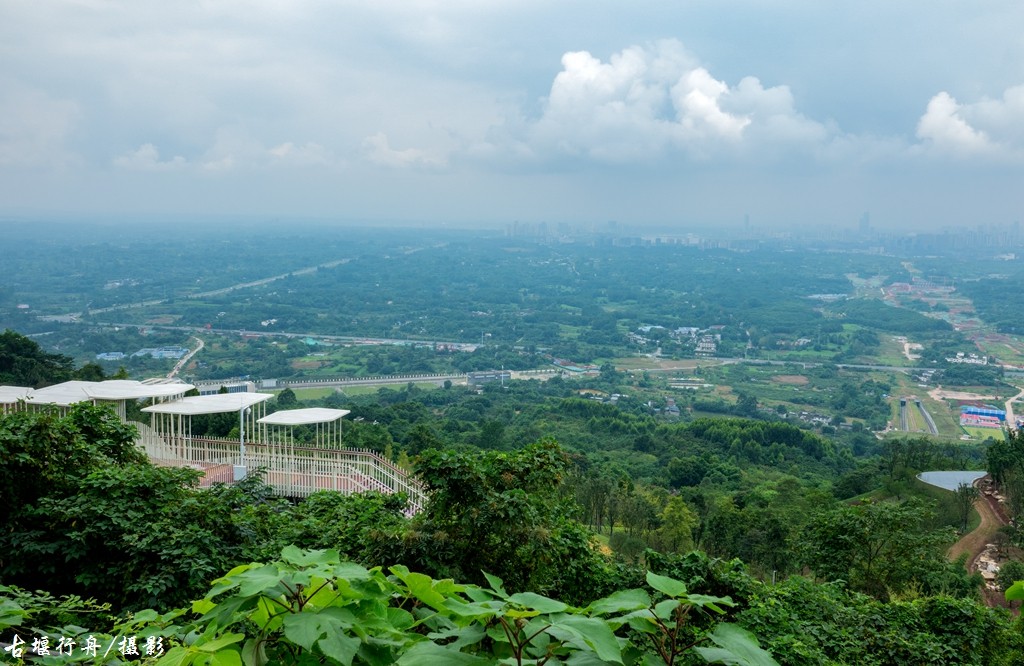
(311,607)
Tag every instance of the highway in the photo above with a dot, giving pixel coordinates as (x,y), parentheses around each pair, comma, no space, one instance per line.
(224,290)
(186,358)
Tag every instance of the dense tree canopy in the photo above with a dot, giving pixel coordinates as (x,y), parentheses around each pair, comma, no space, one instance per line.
(24,363)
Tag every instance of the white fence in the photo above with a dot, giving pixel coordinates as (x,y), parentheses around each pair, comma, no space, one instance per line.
(290,470)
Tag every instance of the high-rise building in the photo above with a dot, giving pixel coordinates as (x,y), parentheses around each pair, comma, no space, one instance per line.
(865,223)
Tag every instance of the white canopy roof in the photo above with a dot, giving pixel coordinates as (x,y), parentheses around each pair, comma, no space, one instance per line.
(12,394)
(293,417)
(219,403)
(68,393)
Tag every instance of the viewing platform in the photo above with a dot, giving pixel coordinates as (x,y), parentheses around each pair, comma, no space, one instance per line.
(297,451)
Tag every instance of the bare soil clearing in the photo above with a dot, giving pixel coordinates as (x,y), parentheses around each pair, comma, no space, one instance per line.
(942,394)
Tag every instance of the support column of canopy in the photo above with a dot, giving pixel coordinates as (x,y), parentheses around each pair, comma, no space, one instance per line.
(326,435)
(250,408)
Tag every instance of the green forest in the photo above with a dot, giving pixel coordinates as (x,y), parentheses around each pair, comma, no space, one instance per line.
(708,463)
(558,529)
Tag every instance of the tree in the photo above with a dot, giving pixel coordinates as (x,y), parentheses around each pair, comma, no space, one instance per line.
(877,548)
(677,524)
(1005,464)
(90,372)
(45,453)
(85,512)
(1009,572)
(501,513)
(965,496)
(286,399)
(24,363)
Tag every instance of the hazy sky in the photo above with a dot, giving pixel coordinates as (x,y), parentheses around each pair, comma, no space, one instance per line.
(673,113)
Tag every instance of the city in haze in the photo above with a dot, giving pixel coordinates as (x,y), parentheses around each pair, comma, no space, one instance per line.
(780,115)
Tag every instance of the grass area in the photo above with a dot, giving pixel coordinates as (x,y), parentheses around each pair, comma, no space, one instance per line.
(1007,352)
(984,433)
(941,495)
(567,332)
(920,490)
(366,389)
(317,393)
(634,363)
(890,352)
(946,421)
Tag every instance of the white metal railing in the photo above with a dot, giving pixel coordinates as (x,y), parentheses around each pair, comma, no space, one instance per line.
(293,471)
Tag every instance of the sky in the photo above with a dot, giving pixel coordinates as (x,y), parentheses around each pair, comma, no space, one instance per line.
(796,113)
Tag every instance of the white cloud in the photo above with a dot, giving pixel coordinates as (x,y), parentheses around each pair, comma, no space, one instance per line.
(697,100)
(649,101)
(307,154)
(147,158)
(945,128)
(378,150)
(232,149)
(236,148)
(987,128)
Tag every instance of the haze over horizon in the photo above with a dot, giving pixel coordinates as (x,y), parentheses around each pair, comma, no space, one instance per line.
(796,113)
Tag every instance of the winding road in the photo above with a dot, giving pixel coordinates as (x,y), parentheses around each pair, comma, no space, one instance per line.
(186,358)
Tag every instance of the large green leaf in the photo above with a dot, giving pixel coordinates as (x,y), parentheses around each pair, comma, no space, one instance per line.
(496,584)
(666,585)
(432,654)
(735,646)
(11,614)
(1016,591)
(665,609)
(303,629)
(538,602)
(621,601)
(220,643)
(464,636)
(254,653)
(714,603)
(176,656)
(225,658)
(588,632)
(258,580)
(422,587)
(339,647)
(304,558)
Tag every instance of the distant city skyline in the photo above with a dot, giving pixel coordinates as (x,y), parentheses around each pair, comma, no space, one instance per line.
(731,113)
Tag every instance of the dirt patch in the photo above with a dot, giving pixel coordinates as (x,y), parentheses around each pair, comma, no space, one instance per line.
(683,364)
(993,516)
(974,542)
(941,394)
(796,380)
(163,320)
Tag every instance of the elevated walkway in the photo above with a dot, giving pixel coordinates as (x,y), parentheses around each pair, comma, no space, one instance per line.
(299,450)
(292,471)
